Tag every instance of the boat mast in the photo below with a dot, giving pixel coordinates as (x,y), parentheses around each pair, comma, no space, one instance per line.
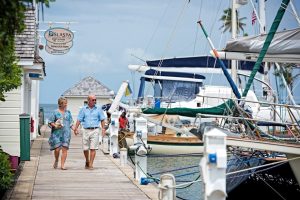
(262,30)
(262,16)
(267,43)
(233,36)
(235,5)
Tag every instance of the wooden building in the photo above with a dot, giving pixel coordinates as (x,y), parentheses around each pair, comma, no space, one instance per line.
(24,99)
(77,95)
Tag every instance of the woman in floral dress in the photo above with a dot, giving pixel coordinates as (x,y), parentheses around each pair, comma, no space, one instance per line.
(61,123)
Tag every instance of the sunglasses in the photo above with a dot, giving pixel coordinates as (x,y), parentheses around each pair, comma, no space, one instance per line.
(94,99)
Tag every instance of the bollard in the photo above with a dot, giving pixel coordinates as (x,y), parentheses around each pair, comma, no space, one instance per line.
(105,145)
(123,157)
(140,141)
(213,165)
(114,131)
(167,187)
(24,137)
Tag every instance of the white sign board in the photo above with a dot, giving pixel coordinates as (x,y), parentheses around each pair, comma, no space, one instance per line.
(60,46)
(55,51)
(59,35)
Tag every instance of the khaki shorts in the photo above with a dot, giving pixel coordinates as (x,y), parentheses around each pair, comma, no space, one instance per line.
(90,139)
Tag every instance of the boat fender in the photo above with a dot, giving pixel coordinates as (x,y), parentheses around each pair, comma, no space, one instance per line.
(146,181)
(141,151)
(116,155)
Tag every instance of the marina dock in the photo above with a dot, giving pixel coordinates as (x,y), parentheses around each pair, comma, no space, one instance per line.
(108,180)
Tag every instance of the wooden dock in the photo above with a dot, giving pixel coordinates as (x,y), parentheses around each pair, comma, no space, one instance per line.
(108,180)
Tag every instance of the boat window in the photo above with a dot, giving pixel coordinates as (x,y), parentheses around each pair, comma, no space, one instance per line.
(179,90)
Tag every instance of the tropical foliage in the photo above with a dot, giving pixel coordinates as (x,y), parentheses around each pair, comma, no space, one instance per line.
(287,72)
(6,177)
(226,19)
(11,23)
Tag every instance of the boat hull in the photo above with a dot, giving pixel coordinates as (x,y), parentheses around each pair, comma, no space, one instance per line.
(167,148)
(170,144)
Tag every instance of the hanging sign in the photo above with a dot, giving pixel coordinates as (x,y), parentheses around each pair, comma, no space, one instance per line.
(59,35)
(60,46)
(55,51)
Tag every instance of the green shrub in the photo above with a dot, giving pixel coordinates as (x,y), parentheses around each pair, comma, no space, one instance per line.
(6,176)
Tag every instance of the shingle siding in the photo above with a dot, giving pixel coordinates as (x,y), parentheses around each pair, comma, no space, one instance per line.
(88,86)
(12,107)
(25,42)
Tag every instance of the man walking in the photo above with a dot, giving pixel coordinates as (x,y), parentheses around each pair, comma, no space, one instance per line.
(91,117)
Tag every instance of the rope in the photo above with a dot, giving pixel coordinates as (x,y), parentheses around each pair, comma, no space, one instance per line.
(131,159)
(181,198)
(260,166)
(170,39)
(244,161)
(191,183)
(179,186)
(183,185)
(197,28)
(270,186)
(149,175)
(266,45)
(247,174)
(223,31)
(173,31)
(156,28)
(172,170)
(174,155)
(186,174)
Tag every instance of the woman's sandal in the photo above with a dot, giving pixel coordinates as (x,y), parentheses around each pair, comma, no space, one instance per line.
(63,168)
(55,164)
(87,165)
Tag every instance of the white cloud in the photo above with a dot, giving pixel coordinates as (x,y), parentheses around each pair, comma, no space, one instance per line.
(92,58)
(93,62)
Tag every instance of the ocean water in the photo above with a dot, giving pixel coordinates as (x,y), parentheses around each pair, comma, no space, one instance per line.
(276,183)
(48,110)
(186,170)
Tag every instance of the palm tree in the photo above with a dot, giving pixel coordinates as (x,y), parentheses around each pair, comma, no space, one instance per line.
(41,3)
(226,18)
(287,72)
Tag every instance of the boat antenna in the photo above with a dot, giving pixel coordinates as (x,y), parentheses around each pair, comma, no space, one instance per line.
(138,58)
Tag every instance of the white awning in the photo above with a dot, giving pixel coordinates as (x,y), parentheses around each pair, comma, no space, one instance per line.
(280,58)
(284,48)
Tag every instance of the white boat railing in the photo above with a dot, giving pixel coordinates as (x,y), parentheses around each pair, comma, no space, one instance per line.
(240,121)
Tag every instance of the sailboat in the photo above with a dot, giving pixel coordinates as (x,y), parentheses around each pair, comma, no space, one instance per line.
(241,127)
(161,76)
(284,56)
(179,94)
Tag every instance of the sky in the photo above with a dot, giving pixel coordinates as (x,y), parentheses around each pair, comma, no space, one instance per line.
(110,35)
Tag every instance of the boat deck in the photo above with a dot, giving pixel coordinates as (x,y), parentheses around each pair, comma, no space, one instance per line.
(108,180)
(288,148)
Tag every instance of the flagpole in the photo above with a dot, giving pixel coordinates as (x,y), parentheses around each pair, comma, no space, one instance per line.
(227,75)
(262,24)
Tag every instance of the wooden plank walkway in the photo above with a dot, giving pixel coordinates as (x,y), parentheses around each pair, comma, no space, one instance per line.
(108,180)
